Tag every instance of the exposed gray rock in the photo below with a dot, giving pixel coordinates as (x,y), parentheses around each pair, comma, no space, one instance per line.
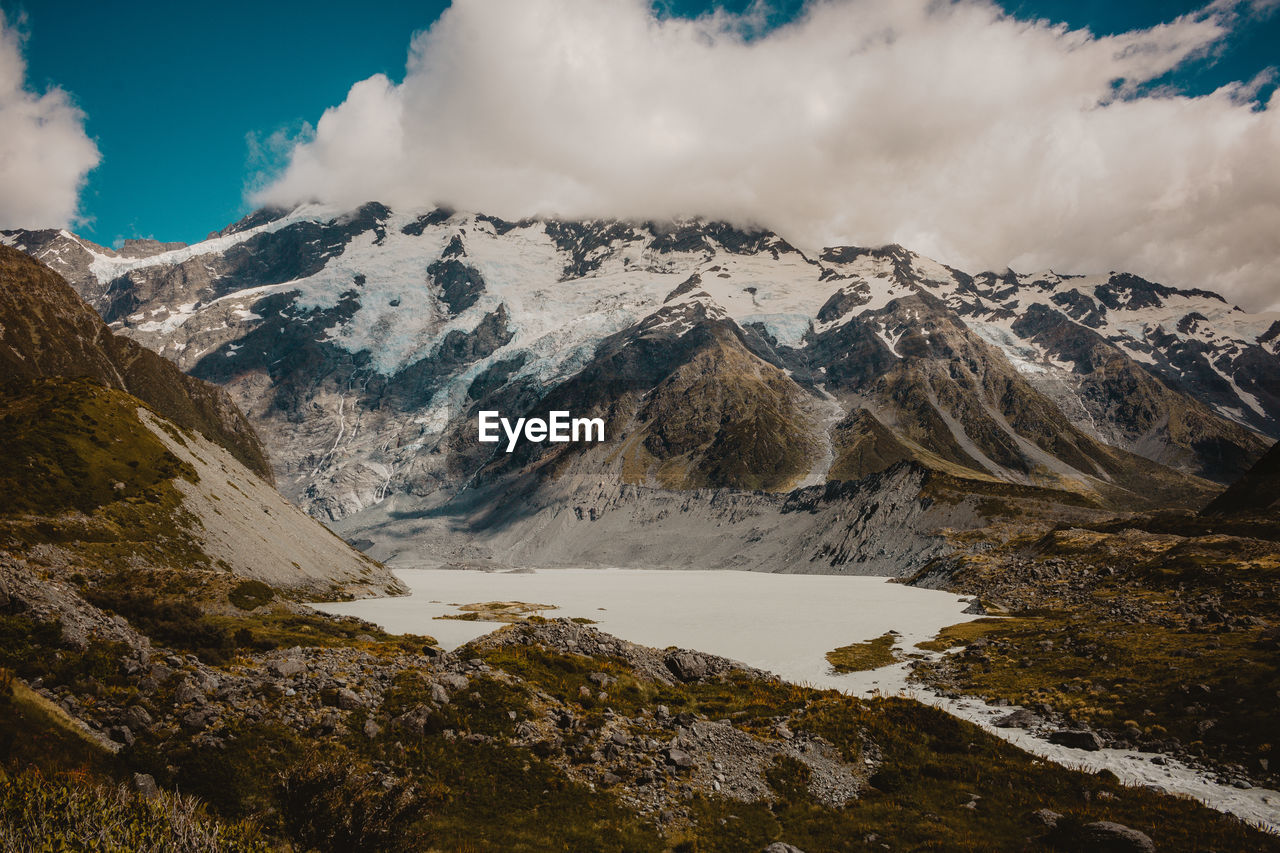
(187,693)
(1076,739)
(1108,837)
(878,526)
(413,720)
(198,718)
(454,681)
(567,636)
(678,758)
(1048,817)
(687,666)
(145,784)
(1019,719)
(138,718)
(286,668)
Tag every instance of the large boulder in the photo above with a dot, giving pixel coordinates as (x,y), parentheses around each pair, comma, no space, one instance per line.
(687,666)
(1077,739)
(1108,837)
(1019,719)
(679,758)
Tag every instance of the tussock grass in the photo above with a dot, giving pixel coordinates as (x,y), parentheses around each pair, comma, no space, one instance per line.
(959,635)
(72,813)
(858,657)
(498,611)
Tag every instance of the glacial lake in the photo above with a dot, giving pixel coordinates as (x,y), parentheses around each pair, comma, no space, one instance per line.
(781,623)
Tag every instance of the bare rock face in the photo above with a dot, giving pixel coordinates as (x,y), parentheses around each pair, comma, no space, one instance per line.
(143,248)
(1077,739)
(687,666)
(1142,411)
(883,525)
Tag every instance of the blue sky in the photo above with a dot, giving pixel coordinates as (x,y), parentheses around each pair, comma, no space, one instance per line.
(174,92)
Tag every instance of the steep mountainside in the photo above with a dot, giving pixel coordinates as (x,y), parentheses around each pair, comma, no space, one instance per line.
(362,344)
(47,330)
(116,462)
(1256,493)
(95,479)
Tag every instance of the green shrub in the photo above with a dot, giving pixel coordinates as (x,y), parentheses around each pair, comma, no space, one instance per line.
(334,807)
(249,595)
(789,778)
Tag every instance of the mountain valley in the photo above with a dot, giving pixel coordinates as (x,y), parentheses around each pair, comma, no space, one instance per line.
(1056,447)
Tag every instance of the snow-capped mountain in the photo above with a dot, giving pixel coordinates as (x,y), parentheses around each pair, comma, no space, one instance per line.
(362,343)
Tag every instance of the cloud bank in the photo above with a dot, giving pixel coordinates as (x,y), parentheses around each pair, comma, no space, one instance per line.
(45,153)
(950,127)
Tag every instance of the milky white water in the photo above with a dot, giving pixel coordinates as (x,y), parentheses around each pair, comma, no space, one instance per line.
(781,623)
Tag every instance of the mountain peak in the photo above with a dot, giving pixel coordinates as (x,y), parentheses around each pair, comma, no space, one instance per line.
(360,342)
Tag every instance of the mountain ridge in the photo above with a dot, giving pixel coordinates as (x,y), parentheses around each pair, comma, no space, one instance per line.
(45,330)
(361,343)
(117,462)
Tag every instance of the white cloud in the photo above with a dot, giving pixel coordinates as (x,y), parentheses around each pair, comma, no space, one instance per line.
(946,126)
(44,150)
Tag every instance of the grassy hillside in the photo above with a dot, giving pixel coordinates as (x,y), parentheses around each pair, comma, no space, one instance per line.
(48,331)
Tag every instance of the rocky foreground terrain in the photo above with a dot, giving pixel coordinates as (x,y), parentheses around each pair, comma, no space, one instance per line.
(1154,631)
(543,734)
